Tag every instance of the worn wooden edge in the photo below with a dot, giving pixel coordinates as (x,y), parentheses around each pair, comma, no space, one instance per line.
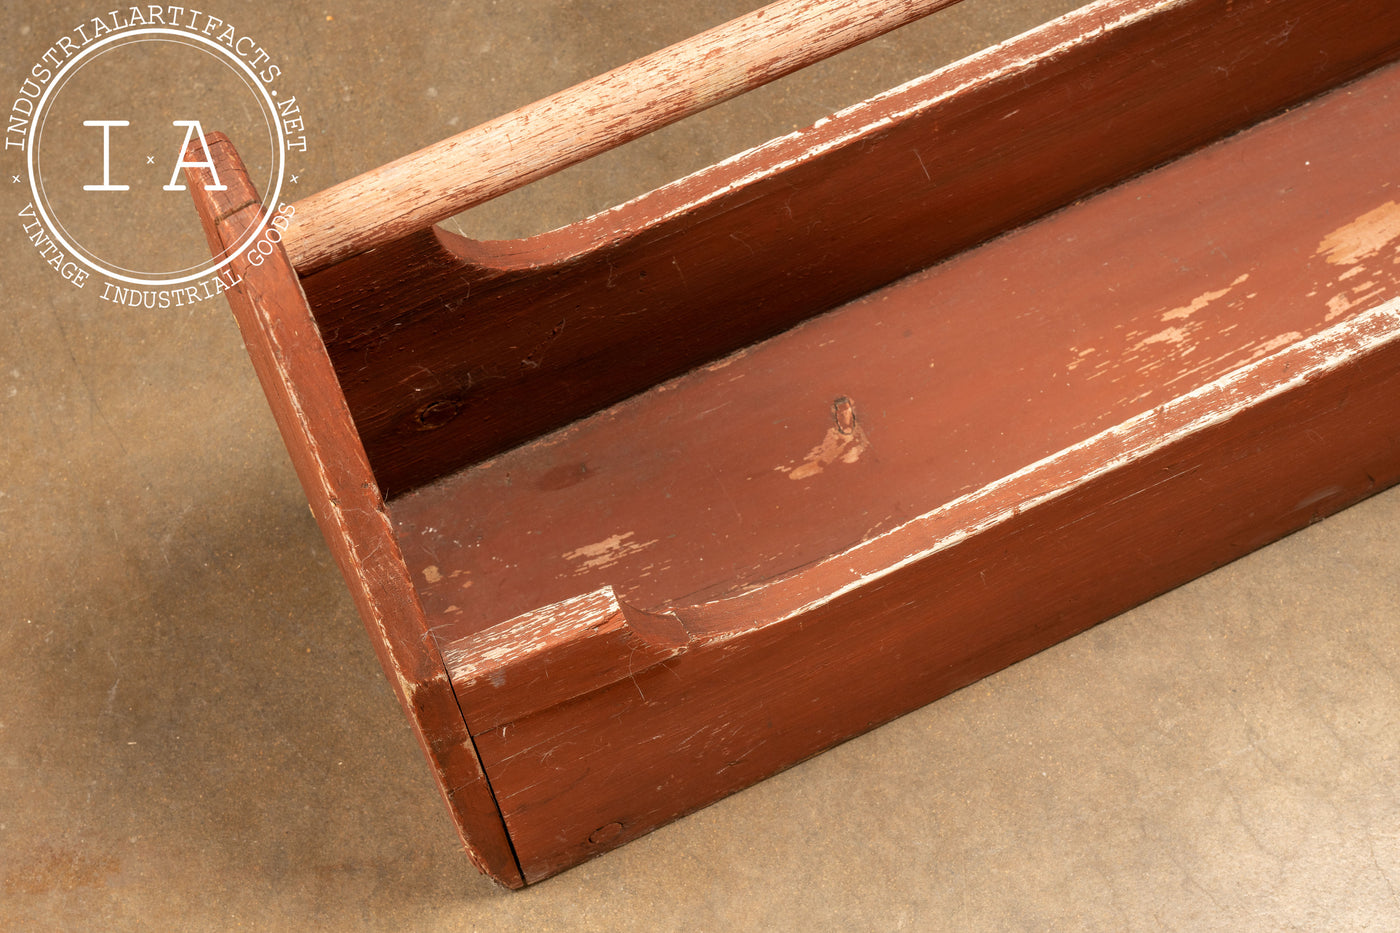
(1031,560)
(725,636)
(296,375)
(592,117)
(1304,363)
(489,345)
(1191,270)
(556,653)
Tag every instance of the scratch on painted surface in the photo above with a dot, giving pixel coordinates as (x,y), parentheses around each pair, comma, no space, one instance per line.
(1364,237)
(607,552)
(1079,357)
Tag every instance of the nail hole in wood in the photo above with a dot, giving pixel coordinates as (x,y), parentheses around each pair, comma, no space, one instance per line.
(436,414)
(844,411)
(605,834)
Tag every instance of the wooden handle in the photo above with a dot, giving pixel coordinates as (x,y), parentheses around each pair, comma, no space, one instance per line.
(575,124)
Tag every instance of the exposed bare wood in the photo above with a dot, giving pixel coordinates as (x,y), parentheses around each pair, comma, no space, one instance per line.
(556,653)
(487,345)
(889,501)
(957,377)
(1050,552)
(296,375)
(711,576)
(591,117)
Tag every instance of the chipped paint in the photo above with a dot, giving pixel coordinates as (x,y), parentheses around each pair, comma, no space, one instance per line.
(1182,337)
(1174,335)
(1139,436)
(728,360)
(994,64)
(1364,237)
(479,654)
(1277,343)
(606,552)
(844,442)
(370,556)
(835,446)
(431,573)
(1338,305)
(1202,301)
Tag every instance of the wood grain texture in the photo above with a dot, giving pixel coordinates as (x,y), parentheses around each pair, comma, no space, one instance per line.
(487,345)
(1122,396)
(710,578)
(594,116)
(296,375)
(1038,564)
(737,473)
(556,653)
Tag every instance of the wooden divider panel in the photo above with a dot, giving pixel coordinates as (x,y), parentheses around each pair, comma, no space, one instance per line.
(451,351)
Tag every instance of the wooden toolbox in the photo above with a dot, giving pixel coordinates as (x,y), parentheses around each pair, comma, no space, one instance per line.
(642,510)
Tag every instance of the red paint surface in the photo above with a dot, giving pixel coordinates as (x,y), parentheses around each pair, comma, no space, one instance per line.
(957,376)
(520,338)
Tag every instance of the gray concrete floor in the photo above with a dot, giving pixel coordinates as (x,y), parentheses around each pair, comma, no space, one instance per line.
(195,735)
